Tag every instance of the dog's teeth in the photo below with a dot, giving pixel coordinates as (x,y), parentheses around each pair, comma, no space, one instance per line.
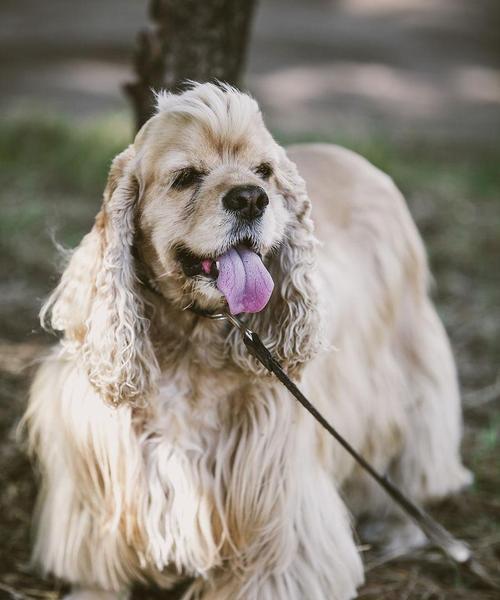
(217,263)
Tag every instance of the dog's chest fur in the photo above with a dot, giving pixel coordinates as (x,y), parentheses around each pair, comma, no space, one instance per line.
(209,447)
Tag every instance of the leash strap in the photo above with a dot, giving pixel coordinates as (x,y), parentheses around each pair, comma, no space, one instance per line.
(457,550)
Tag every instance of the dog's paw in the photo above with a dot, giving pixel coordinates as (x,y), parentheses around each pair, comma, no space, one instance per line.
(392,537)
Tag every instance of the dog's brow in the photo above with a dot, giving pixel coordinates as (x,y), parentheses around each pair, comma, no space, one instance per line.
(178,165)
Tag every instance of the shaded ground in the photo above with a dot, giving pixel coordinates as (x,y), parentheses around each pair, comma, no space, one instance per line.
(51,178)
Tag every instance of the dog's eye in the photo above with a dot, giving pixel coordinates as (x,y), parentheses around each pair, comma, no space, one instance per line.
(185,178)
(264,170)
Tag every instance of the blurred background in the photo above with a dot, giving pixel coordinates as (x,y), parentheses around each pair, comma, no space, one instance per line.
(414,85)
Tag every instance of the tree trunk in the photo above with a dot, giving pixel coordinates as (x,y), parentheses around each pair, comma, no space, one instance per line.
(199,40)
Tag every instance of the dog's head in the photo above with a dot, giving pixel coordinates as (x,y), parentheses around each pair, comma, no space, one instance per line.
(211,207)
(207,208)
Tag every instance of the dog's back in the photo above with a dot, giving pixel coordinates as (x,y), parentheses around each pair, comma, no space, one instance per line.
(389,382)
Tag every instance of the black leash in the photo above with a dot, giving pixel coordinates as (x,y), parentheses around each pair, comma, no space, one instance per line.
(457,550)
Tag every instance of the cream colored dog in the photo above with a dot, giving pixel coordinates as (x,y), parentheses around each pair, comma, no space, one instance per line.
(166,452)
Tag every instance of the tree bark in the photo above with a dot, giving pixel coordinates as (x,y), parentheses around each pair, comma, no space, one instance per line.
(199,40)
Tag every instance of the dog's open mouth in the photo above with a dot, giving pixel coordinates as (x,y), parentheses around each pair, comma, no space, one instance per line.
(239,274)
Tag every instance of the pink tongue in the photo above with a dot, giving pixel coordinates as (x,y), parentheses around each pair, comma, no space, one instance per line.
(244,281)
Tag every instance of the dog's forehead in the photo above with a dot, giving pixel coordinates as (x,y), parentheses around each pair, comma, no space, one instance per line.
(189,140)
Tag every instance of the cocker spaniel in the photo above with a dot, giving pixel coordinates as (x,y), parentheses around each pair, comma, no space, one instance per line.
(166,452)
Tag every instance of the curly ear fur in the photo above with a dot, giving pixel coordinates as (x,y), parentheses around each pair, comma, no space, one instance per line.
(289,325)
(97,303)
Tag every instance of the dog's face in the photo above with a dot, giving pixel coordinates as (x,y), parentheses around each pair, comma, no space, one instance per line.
(210,209)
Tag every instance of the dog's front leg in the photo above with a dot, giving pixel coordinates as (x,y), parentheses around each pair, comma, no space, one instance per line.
(305,551)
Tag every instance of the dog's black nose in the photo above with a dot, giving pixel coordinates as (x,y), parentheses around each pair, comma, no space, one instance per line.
(247,201)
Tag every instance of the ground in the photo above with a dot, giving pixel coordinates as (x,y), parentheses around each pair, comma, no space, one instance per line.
(51,177)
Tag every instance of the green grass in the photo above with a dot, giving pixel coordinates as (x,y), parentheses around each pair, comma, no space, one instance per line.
(56,155)
(51,179)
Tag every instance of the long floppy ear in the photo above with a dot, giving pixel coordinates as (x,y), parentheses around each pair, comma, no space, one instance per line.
(290,324)
(97,303)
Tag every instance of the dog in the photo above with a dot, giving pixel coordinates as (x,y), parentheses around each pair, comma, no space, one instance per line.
(167,454)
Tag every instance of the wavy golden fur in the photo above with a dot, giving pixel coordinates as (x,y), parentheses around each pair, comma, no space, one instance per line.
(165,452)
